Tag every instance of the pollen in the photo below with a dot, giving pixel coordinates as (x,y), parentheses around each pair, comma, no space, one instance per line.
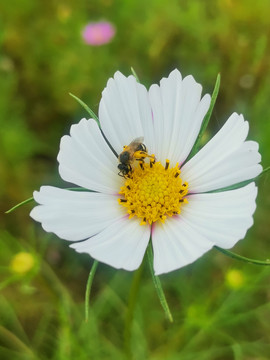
(152,192)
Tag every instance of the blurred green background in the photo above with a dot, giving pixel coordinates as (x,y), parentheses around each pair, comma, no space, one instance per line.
(220,306)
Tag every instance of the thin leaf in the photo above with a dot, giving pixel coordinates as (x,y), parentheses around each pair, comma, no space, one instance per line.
(233,187)
(20,204)
(263,172)
(206,118)
(88,289)
(158,285)
(242,258)
(242,183)
(32,199)
(87,108)
(94,116)
(135,75)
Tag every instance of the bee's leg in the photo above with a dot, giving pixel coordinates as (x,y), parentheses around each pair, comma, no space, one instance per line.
(141,155)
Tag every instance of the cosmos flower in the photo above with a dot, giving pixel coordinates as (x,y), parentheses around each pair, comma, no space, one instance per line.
(98,33)
(166,199)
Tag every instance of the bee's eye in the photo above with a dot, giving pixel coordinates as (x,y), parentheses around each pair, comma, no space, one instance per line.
(124,157)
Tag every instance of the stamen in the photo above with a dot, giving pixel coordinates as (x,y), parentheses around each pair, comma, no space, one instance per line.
(154,192)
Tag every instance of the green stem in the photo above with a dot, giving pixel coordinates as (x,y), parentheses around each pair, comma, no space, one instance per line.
(158,285)
(131,308)
(242,258)
(88,288)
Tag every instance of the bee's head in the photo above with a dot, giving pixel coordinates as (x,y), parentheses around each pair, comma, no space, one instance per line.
(123,167)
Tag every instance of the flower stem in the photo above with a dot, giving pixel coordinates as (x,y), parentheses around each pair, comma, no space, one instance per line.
(158,285)
(88,288)
(135,286)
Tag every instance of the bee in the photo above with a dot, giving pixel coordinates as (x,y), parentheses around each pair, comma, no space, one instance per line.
(136,150)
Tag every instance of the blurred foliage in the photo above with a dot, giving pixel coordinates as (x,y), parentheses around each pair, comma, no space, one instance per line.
(42,59)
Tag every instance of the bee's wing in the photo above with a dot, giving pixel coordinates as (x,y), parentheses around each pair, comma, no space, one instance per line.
(134,143)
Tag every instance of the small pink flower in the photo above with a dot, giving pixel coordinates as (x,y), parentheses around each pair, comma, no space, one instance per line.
(98,33)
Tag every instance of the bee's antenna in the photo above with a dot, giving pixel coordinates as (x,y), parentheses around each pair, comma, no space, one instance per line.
(108,143)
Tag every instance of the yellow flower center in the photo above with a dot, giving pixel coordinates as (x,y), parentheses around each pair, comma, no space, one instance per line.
(153,192)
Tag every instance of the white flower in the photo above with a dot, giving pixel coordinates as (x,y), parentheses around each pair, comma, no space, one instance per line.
(191,217)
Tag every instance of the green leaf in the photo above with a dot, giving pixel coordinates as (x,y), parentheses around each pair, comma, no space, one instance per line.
(32,199)
(242,258)
(206,118)
(20,204)
(88,288)
(242,183)
(135,75)
(87,108)
(263,172)
(158,285)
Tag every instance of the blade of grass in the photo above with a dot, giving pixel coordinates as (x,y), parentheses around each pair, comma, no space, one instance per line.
(12,341)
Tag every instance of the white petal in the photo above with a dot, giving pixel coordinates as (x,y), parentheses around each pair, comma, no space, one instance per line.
(222,217)
(125,112)
(74,215)
(225,160)
(86,160)
(211,219)
(176,244)
(121,245)
(178,112)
